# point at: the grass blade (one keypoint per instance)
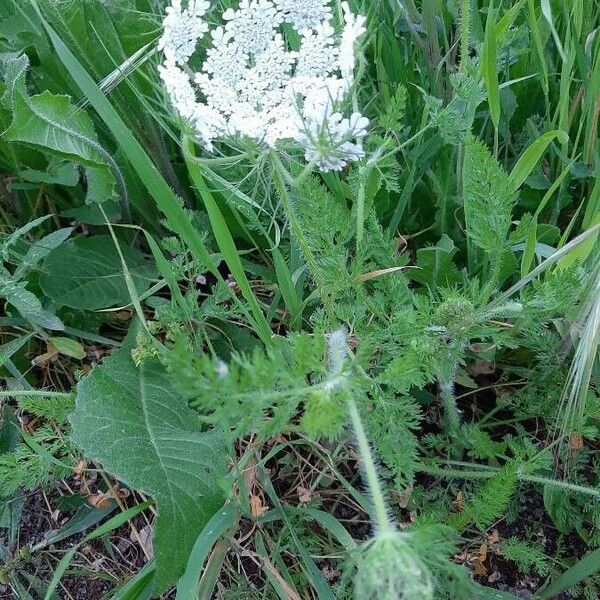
(225, 239)
(583, 568)
(107, 527)
(532, 155)
(224, 520)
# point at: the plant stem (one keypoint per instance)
(360, 207)
(488, 473)
(380, 513)
(283, 180)
(451, 411)
(33, 394)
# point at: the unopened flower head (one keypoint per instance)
(390, 570)
(253, 84)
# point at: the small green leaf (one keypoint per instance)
(68, 347)
(28, 304)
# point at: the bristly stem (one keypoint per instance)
(380, 512)
(451, 411)
(465, 32)
(446, 390)
(337, 358)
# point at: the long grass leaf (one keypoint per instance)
(532, 155)
(221, 522)
(583, 568)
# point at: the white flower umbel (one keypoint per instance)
(252, 84)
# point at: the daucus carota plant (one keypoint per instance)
(255, 83)
(457, 242)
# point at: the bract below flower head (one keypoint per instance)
(336, 142)
(252, 84)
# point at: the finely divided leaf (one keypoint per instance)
(488, 196)
(130, 420)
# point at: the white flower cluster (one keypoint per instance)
(252, 84)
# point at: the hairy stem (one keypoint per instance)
(380, 513)
(465, 31)
(446, 387)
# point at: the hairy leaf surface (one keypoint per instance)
(130, 420)
(489, 197)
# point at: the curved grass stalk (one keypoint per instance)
(573, 400)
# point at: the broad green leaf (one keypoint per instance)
(86, 273)
(53, 124)
(129, 419)
(68, 347)
(488, 197)
(435, 265)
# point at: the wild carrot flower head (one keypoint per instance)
(254, 82)
(390, 570)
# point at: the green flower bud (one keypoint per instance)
(391, 570)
